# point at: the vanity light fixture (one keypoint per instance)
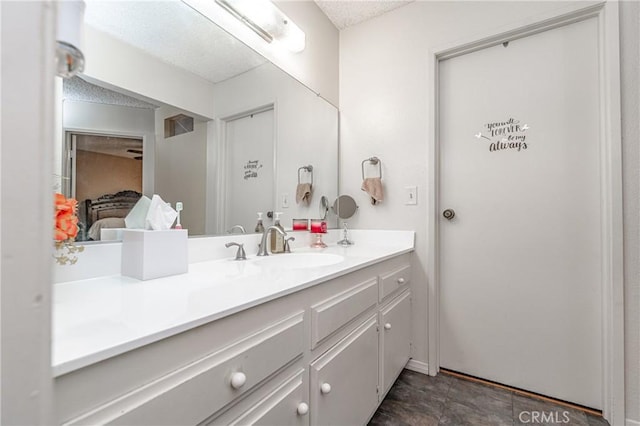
(266, 20)
(69, 27)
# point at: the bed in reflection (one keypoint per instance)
(106, 211)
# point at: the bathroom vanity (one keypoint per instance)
(312, 337)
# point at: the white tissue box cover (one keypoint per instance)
(154, 254)
(111, 234)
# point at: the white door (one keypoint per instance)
(520, 262)
(250, 169)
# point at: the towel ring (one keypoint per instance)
(375, 161)
(308, 169)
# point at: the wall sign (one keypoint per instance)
(505, 135)
(251, 169)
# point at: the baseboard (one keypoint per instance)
(632, 423)
(420, 367)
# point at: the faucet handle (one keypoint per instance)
(240, 227)
(240, 254)
(287, 248)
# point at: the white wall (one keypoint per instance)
(115, 120)
(26, 200)
(383, 104)
(306, 129)
(630, 82)
(181, 169)
(111, 61)
(316, 66)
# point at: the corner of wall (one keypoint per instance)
(629, 12)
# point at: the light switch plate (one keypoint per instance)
(411, 195)
(285, 200)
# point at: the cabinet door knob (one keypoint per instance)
(387, 326)
(325, 388)
(400, 280)
(303, 408)
(238, 379)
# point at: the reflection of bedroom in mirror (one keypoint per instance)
(105, 176)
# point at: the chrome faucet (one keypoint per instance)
(240, 227)
(262, 248)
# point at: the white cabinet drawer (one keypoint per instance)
(395, 280)
(283, 406)
(192, 393)
(344, 380)
(395, 338)
(330, 315)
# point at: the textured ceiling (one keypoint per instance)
(175, 33)
(76, 89)
(345, 13)
(111, 145)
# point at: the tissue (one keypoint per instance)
(136, 217)
(152, 214)
(160, 216)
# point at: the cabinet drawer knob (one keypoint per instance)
(387, 326)
(238, 379)
(303, 408)
(325, 388)
(401, 280)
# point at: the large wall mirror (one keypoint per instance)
(171, 104)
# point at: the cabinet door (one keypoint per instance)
(344, 380)
(395, 338)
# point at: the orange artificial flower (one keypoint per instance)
(66, 221)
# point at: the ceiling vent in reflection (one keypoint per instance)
(177, 125)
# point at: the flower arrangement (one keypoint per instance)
(65, 229)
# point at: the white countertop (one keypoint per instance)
(98, 318)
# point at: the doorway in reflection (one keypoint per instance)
(98, 168)
(249, 141)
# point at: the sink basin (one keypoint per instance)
(299, 260)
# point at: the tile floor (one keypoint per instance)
(416, 399)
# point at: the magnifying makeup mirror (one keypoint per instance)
(345, 207)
